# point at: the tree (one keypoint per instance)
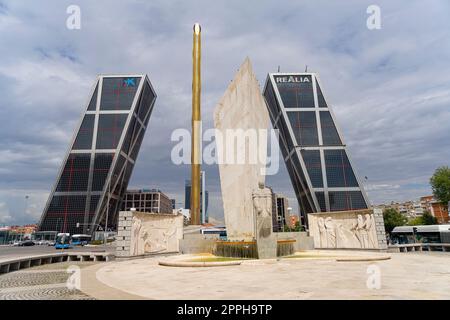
(440, 184)
(296, 228)
(417, 221)
(426, 219)
(393, 218)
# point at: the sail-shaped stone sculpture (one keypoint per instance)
(240, 116)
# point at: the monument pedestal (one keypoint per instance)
(266, 241)
(302, 240)
(267, 247)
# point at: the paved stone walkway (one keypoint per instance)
(404, 276)
(317, 275)
(40, 283)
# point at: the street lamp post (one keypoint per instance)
(107, 214)
(114, 176)
(289, 210)
(26, 203)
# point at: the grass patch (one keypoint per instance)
(214, 259)
(100, 242)
(309, 256)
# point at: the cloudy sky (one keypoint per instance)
(389, 88)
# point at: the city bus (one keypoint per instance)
(80, 239)
(438, 233)
(222, 232)
(62, 241)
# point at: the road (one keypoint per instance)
(12, 252)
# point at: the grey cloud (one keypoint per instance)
(388, 88)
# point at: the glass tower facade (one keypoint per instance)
(98, 165)
(187, 200)
(312, 145)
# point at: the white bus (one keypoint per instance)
(436, 233)
(222, 232)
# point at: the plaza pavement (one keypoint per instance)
(45, 282)
(316, 275)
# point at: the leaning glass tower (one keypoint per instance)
(101, 156)
(312, 145)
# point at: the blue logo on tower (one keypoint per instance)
(129, 82)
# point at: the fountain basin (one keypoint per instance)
(248, 249)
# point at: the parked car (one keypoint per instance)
(17, 243)
(27, 243)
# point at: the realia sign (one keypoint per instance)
(298, 79)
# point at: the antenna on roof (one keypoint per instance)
(278, 69)
(306, 68)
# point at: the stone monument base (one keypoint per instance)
(267, 247)
(302, 240)
(357, 229)
(141, 233)
(197, 243)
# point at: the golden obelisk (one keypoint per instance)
(196, 127)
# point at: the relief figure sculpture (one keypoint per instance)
(369, 227)
(262, 203)
(322, 232)
(330, 232)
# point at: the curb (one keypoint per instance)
(93, 287)
(198, 264)
(355, 259)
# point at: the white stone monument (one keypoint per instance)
(266, 241)
(241, 112)
(141, 233)
(358, 229)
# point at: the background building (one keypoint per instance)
(187, 194)
(5, 235)
(145, 200)
(186, 215)
(436, 208)
(101, 156)
(312, 145)
(205, 219)
(415, 208)
(187, 200)
(275, 225)
(410, 209)
(293, 219)
(25, 229)
(281, 211)
(10, 234)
